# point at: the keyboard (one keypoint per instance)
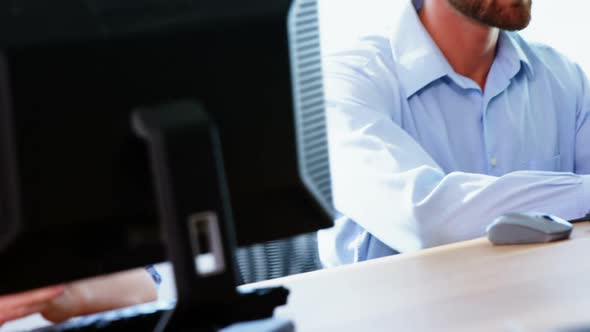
(142, 317)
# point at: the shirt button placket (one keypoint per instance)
(489, 138)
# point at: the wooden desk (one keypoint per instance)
(468, 286)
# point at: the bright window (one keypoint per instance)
(563, 25)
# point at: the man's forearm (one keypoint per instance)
(103, 293)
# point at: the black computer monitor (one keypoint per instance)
(234, 88)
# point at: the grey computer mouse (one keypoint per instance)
(515, 228)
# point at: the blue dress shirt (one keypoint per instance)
(421, 156)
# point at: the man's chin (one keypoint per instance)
(513, 15)
(514, 23)
(512, 18)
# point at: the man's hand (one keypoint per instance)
(100, 294)
(83, 297)
(15, 306)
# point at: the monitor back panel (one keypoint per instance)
(77, 193)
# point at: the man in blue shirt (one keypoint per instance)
(448, 122)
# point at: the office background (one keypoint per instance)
(561, 24)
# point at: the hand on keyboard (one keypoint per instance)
(101, 294)
(19, 305)
(60, 303)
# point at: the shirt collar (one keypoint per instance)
(420, 62)
(511, 53)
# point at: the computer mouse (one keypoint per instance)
(515, 228)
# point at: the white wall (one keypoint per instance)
(343, 21)
(564, 25)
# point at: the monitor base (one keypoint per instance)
(248, 312)
(195, 212)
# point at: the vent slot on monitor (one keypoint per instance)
(308, 92)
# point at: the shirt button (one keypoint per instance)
(493, 162)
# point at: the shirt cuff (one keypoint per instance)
(154, 273)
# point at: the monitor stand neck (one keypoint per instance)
(195, 214)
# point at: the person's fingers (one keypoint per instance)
(20, 312)
(25, 299)
(64, 307)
